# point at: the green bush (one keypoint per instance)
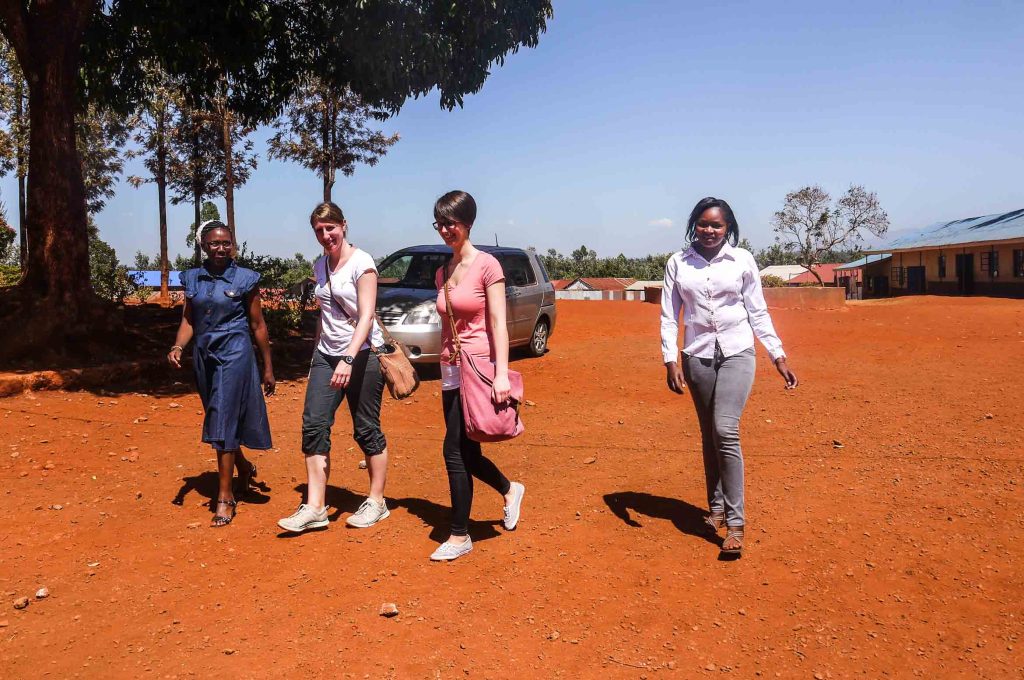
(9, 274)
(772, 281)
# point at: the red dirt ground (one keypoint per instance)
(895, 555)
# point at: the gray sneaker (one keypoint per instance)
(368, 514)
(446, 552)
(512, 510)
(306, 517)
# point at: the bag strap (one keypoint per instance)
(451, 316)
(388, 338)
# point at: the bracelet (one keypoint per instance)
(177, 347)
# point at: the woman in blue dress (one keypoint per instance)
(222, 306)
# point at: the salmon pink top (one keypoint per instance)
(469, 307)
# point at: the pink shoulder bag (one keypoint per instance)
(484, 420)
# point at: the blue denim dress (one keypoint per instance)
(225, 365)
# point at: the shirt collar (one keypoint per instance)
(727, 251)
(228, 275)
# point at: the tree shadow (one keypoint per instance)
(687, 518)
(206, 485)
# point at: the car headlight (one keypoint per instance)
(424, 314)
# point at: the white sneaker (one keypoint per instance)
(512, 510)
(306, 517)
(368, 514)
(446, 552)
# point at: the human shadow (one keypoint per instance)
(439, 518)
(206, 484)
(687, 518)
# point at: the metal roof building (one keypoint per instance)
(975, 255)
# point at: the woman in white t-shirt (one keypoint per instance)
(343, 366)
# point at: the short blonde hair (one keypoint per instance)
(327, 212)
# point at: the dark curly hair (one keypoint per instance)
(732, 232)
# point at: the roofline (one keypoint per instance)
(946, 246)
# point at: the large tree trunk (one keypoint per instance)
(161, 188)
(53, 312)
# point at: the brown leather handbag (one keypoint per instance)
(399, 375)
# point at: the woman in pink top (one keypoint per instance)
(476, 287)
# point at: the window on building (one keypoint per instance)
(1018, 263)
(990, 263)
(942, 266)
(899, 275)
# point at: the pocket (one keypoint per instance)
(233, 294)
(189, 294)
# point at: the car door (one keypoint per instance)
(524, 295)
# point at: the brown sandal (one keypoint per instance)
(715, 521)
(734, 534)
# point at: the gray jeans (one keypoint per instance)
(720, 388)
(322, 401)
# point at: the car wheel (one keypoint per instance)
(539, 340)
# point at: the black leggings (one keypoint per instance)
(464, 460)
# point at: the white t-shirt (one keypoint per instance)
(335, 326)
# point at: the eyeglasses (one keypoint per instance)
(444, 224)
(222, 245)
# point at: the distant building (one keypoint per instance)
(977, 255)
(825, 271)
(587, 288)
(851, 277)
(783, 271)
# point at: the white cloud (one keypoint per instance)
(661, 222)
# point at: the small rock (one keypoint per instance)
(389, 609)
(194, 525)
(836, 444)
(56, 506)
(229, 651)
(589, 461)
(554, 635)
(710, 667)
(175, 404)
(527, 402)
(4, 623)
(989, 416)
(21, 603)
(42, 593)
(138, 495)
(140, 419)
(362, 465)
(671, 665)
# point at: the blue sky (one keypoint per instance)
(628, 113)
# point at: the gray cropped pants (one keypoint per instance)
(720, 387)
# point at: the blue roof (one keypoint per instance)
(152, 278)
(865, 260)
(971, 230)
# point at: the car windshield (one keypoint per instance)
(411, 270)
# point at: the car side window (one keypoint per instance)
(518, 271)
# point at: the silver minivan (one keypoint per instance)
(407, 298)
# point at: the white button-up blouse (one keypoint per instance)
(722, 302)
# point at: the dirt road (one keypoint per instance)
(895, 555)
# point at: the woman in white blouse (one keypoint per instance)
(719, 289)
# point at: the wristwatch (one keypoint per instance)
(347, 359)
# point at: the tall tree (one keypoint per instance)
(325, 130)
(153, 132)
(811, 226)
(14, 109)
(86, 50)
(195, 171)
(100, 136)
(235, 152)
